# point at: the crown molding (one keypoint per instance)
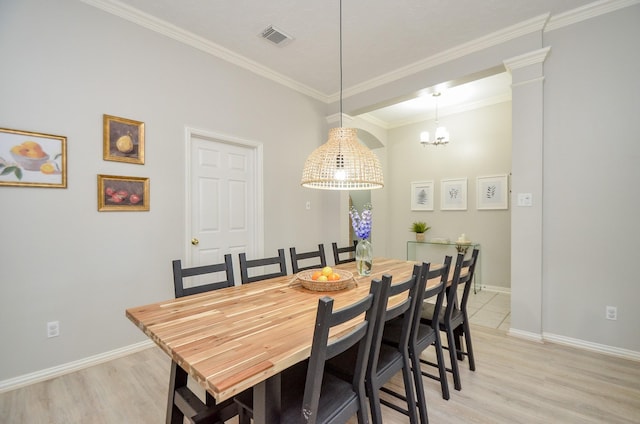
(543, 23)
(527, 27)
(588, 11)
(375, 121)
(165, 28)
(453, 110)
(527, 59)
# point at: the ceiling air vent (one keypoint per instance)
(276, 36)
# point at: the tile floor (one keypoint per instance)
(490, 309)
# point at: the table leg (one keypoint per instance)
(267, 401)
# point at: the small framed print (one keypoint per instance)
(453, 194)
(422, 196)
(116, 193)
(493, 192)
(30, 159)
(123, 139)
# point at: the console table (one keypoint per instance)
(431, 251)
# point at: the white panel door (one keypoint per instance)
(223, 207)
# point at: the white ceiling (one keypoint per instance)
(379, 36)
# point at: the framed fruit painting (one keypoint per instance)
(32, 159)
(123, 139)
(117, 193)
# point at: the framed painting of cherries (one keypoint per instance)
(116, 193)
(123, 139)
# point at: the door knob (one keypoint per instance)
(195, 241)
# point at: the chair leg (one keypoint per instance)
(363, 409)
(467, 339)
(442, 370)
(451, 340)
(408, 388)
(373, 392)
(243, 416)
(457, 332)
(420, 395)
(177, 378)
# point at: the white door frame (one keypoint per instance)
(259, 215)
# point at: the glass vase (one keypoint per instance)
(364, 257)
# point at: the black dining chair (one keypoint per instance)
(338, 251)
(183, 402)
(429, 334)
(207, 276)
(454, 319)
(387, 360)
(246, 265)
(310, 394)
(300, 261)
(423, 335)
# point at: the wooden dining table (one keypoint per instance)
(242, 337)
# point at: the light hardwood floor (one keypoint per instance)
(516, 381)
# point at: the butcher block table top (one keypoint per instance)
(232, 339)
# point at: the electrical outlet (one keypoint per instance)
(308, 205)
(53, 329)
(612, 313)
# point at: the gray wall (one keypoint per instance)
(480, 146)
(66, 64)
(591, 177)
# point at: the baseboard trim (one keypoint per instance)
(593, 347)
(534, 337)
(496, 289)
(576, 343)
(69, 367)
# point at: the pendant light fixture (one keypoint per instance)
(342, 163)
(442, 135)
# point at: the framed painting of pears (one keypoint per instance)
(123, 139)
(32, 159)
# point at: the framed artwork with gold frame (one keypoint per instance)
(123, 139)
(30, 159)
(117, 193)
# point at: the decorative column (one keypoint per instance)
(527, 74)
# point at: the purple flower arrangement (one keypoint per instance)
(361, 222)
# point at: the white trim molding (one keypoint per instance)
(593, 347)
(542, 23)
(576, 343)
(527, 59)
(169, 30)
(69, 367)
(496, 289)
(527, 335)
(587, 11)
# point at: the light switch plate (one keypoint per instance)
(525, 199)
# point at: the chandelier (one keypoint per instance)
(442, 135)
(342, 163)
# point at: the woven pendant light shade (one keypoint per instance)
(342, 163)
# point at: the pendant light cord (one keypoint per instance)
(340, 63)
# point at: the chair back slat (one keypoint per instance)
(296, 258)
(467, 280)
(206, 271)
(337, 251)
(246, 265)
(438, 290)
(452, 289)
